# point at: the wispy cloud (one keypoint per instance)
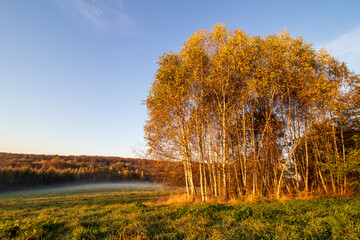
(108, 16)
(347, 48)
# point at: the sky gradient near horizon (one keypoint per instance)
(73, 73)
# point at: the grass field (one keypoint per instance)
(133, 212)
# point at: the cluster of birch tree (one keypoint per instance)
(257, 115)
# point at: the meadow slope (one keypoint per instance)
(135, 213)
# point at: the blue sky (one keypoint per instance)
(73, 73)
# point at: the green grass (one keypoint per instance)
(126, 213)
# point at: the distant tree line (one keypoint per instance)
(23, 171)
(256, 116)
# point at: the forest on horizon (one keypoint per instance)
(26, 171)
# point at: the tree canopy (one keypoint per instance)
(257, 115)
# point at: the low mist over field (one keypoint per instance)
(119, 185)
(87, 187)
